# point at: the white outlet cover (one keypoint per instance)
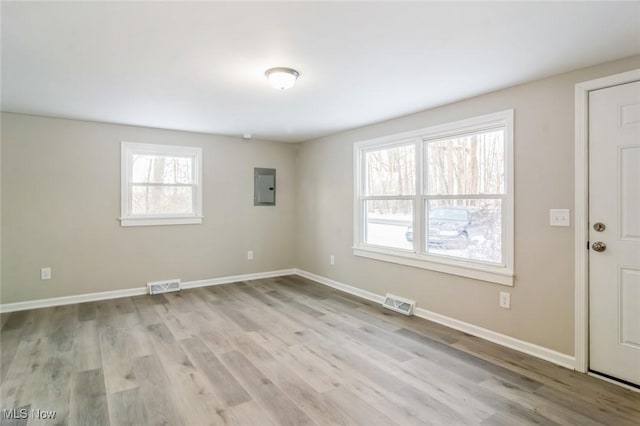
(505, 300)
(332, 260)
(559, 217)
(45, 273)
(250, 255)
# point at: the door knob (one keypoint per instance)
(599, 246)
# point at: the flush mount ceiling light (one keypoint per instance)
(282, 78)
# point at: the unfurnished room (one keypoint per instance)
(320, 213)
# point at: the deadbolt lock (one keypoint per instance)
(599, 226)
(599, 246)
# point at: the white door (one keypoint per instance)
(614, 231)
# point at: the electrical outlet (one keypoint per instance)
(250, 255)
(45, 273)
(332, 260)
(505, 300)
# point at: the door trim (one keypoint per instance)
(581, 208)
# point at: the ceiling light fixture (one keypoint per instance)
(282, 78)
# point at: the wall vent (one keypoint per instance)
(399, 304)
(166, 286)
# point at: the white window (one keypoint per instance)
(439, 198)
(161, 184)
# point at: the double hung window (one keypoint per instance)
(440, 198)
(161, 184)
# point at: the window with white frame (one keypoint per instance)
(440, 198)
(161, 184)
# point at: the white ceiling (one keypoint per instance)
(200, 66)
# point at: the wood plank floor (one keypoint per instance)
(281, 351)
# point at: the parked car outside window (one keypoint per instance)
(449, 227)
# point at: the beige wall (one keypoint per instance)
(0, 210)
(61, 201)
(542, 299)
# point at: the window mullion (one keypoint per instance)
(363, 221)
(387, 197)
(418, 224)
(163, 184)
(466, 197)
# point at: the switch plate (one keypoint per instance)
(505, 300)
(45, 273)
(250, 255)
(559, 217)
(332, 260)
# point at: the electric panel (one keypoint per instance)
(264, 192)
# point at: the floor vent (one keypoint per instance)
(399, 304)
(166, 286)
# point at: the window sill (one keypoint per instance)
(479, 272)
(146, 221)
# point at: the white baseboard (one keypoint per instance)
(70, 300)
(342, 287)
(541, 352)
(237, 278)
(137, 291)
(492, 336)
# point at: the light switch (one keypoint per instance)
(559, 217)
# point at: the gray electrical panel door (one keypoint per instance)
(264, 192)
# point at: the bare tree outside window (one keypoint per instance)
(390, 173)
(467, 164)
(162, 184)
(463, 192)
(465, 186)
(439, 198)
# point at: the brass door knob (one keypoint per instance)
(599, 226)
(599, 246)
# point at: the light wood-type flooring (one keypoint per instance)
(280, 351)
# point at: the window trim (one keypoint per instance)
(483, 271)
(127, 150)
